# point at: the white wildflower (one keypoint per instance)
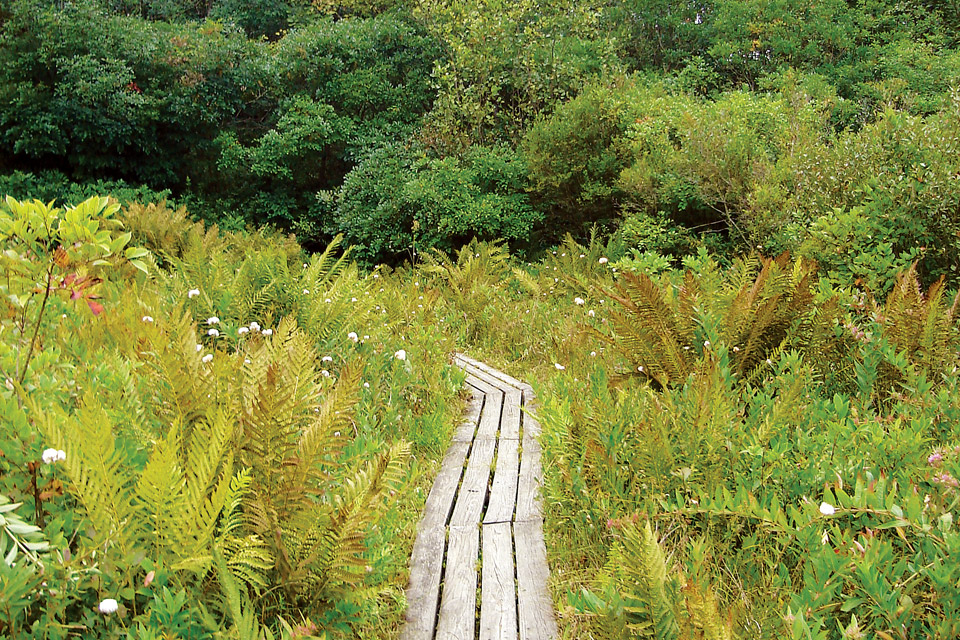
(107, 606)
(213, 320)
(267, 332)
(207, 358)
(306, 291)
(326, 359)
(193, 293)
(213, 332)
(706, 344)
(827, 509)
(579, 301)
(243, 330)
(591, 313)
(199, 348)
(559, 366)
(366, 385)
(400, 355)
(353, 336)
(254, 326)
(603, 261)
(593, 354)
(49, 456)
(325, 373)
(147, 319)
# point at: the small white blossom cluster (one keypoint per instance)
(193, 293)
(107, 606)
(50, 456)
(400, 355)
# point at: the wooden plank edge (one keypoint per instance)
(534, 605)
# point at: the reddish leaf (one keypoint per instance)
(95, 306)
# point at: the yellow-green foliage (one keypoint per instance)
(755, 311)
(472, 281)
(171, 507)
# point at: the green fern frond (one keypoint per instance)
(99, 473)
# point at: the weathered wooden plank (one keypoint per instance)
(528, 486)
(490, 416)
(426, 560)
(436, 510)
(503, 491)
(458, 607)
(531, 426)
(498, 591)
(473, 489)
(468, 426)
(423, 592)
(483, 385)
(483, 377)
(496, 373)
(510, 416)
(534, 607)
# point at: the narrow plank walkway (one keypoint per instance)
(483, 530)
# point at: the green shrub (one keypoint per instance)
(399, 202)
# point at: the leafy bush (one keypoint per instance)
(798, 489)
(401, 202)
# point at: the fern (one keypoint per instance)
(921, 325)
(648, 330)
(762, 307)
(169, 511)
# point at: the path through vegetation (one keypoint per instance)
(474, 529)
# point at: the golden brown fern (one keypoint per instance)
(648, 330)
(921, 324)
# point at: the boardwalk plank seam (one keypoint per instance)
(483, 526)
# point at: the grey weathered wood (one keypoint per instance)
(477, 376)
(531, 426)
(503, 491)
(436, 511)
(490, 416)
(510, 416)
(458, 607)
(473, 489)
(481, 383)
(426, 560)
(442, 597)
(496, 373)
(498, 591)
(471, 417)
(534, 607)
(528, 485)
(423, 592)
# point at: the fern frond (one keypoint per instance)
(99, 473)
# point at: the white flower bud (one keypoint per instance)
(107, 606)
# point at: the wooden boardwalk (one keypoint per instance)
(481, 531)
